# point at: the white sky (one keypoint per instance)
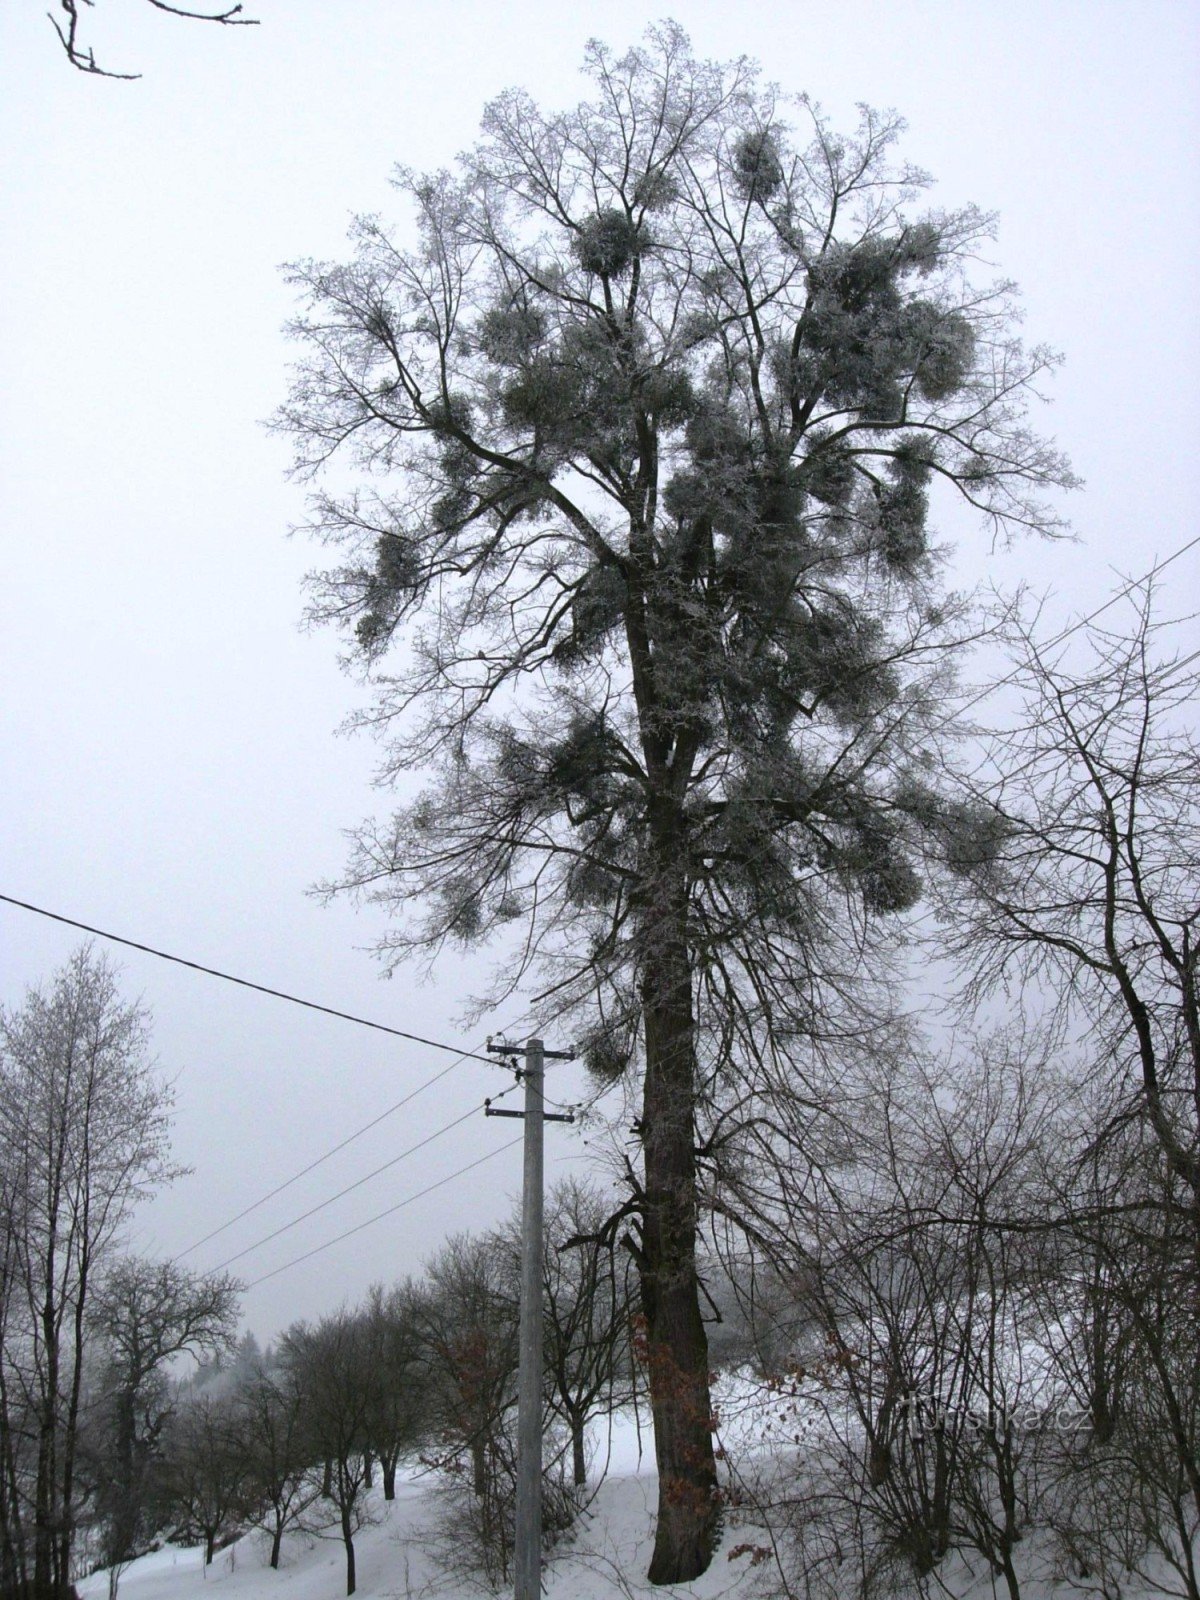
(170, 765)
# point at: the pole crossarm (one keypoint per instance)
(500, 1047)
(547, 1116)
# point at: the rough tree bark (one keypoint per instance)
(676, 1343)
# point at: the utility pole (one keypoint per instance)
(527, 1543)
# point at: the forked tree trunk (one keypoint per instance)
(677, 1345)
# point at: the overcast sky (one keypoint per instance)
(171, 769)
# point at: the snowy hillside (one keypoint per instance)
(402, 1555)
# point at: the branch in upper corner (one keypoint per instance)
(84, 58)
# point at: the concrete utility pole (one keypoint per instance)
(527, 1542)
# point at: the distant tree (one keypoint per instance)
(467, 1319)
(81, 55)
(83, 1137)
(400, 1410)
(281, 1485)
(652, 415)
(915, 1387)
(204, 1471)
(586, 1312)
(145, 1313)
(331, 1366)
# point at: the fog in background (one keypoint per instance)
(171, 766)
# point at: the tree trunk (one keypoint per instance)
(388, 1466)
(66, 1532)
(122, 1516)
(276, 1544)
(479, 1468)
(12, 1541)
(45, 1500)
(677, 1345)
(579, 1460)
(210, 1546)
(348, 1540)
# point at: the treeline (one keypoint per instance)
(85, 1335)
(104, 1451)
(424, 1372)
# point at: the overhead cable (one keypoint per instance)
(286, 1227)
(390, 1211)
(341, 1145)
(1074, 627)
(328, 1154)
(358, 1183)
(246, 983)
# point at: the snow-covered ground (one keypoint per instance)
(400, 1556)
(397, 1558)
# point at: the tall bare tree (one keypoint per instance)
(145, 1313)
(649, 420)
(83, 1137)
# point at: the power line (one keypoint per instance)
(348, 1140)
(1170, 673)
(322, 1159)
(286, 1227)
(310, 1005)
(1065, 633)
(1166, 676)
(1074, 627)
(1177, 667)
(312, 1167)
(1164, 679)
(358, 1183)
(390, 1211)
(246, 983)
